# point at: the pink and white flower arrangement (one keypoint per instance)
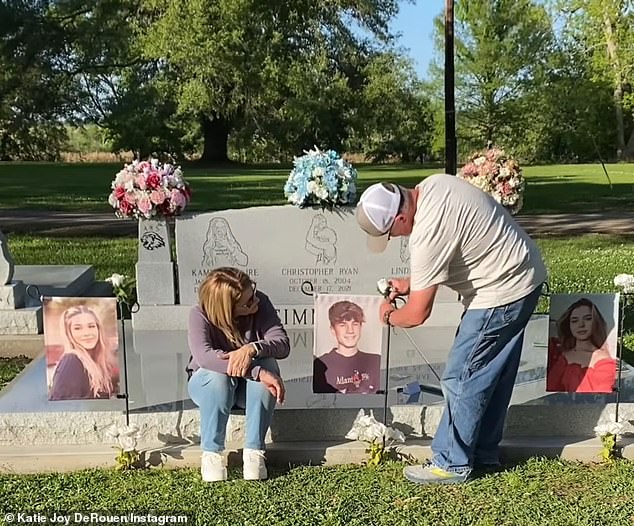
(146, 189)
(498, 175)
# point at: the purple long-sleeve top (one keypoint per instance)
(207, 343)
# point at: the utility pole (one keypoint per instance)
(451, 161)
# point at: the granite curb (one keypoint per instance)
(41, 459)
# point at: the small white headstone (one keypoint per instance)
(7, 264)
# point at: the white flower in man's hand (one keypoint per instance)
(384, 287)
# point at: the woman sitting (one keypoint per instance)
(235, 337)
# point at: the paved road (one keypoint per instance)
(74, 223)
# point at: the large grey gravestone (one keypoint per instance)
(282, 248)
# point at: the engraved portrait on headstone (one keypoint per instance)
(404, 249)
(221, 248)
(321, 240)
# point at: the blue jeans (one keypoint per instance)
(477, 384)
(215, 394)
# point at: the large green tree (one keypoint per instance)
(130, 96)
(501, 47)
(36, 91)
(394, 116)
(244, 62)
(604, 31)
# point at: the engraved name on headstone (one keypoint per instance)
(281, 248)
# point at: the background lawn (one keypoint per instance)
(85, 187)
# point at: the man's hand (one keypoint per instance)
(273, 383)
(399, 286)
(239, 360)
(386, 307)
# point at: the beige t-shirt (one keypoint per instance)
(464, 239)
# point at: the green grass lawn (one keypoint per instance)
(536, 492)
(85, 187)
(10, 367)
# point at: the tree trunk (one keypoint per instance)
(615, 62)
(628, 154)
(216, 136)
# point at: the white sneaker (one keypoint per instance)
(254, 466)
(213, 466)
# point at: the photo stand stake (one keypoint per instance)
(386, 391)
(625, 300)
(126, 394)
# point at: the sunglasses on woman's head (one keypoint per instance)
(252, 299)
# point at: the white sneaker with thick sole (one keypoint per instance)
(213, 467)
(254, 464)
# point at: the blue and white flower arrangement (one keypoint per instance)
(321, 179)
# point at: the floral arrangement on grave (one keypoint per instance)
(380, 438)
(124, 288)
(609, 432)
(125, 437)
(148, 189)
(321, 178)
(497, 174)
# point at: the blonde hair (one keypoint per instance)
(218, 295)
(97, 361)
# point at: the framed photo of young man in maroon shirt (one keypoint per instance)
(348, 344)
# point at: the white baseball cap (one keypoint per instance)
(378, 207)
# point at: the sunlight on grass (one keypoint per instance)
(85, 187)
(535, 492)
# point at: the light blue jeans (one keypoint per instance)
(477, 384)
(216, 394)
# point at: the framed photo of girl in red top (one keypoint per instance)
(582, 343)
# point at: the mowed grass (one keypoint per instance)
(536, 492)
(85, 187)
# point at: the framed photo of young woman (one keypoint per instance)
(81, 342)
(582, 343)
